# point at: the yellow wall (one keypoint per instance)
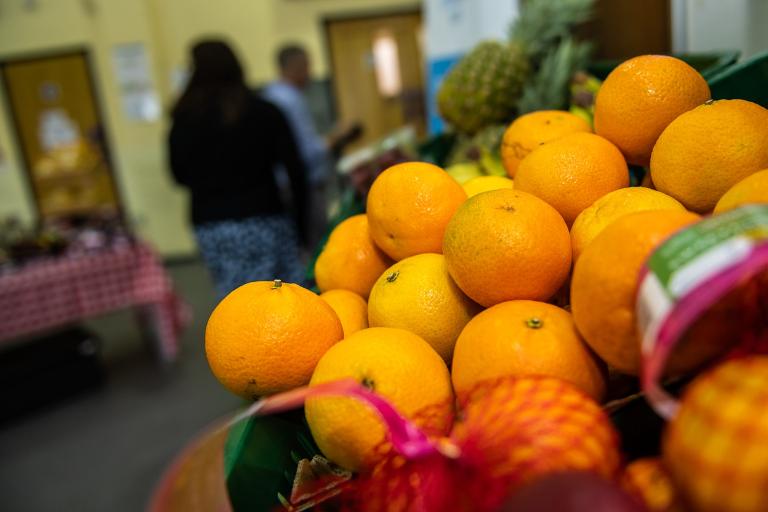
(257, 27)
(166, 27)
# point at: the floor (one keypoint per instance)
(106, 449)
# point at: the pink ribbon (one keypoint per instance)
(406, 438)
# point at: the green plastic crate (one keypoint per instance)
(747, 80)
(260, 459)
(708, 64)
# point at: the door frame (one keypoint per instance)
(75, 51)
(369, 14)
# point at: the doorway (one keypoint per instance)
(626, 28)
(61, 135)
(378, 72)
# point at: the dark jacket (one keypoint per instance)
(229, 168)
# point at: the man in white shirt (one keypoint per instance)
(317, 151)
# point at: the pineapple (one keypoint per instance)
(483, 87)
(486, 85)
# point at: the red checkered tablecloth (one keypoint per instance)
(59, 291)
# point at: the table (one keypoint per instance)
(57, 291)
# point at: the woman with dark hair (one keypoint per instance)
(225, 144)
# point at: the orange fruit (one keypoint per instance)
(752, 189)
(350, 260)
(528, 427)
(706, 151)
(716, 447)
(641, 97)
(418, 295)
(505, 245)
(266, 337)
(351, 309)
(482, 184)
(573, 172)
(649, 482)
(514, 431)
(612, 206)
(605, 279)
(398, 365)
(409, 206)
(532, 130)
(524, 337)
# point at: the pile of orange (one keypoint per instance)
(409, 206)
(641, 97)
(252, 330)
(706, 151)
(488, 244)
(605, 280)
(438, 290)
(530, 131)
(350, 260)
(418, 294)
(573, 172)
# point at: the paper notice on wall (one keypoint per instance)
(134, 79)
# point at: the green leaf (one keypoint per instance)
(543, 23)
(549, 87)
(260, 459)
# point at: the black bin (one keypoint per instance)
(48, 369)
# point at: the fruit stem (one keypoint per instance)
(277, 284)
(534, 323)
(391, 278)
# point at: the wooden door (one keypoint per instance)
(627, 28)
(378, 72)
(60, 134)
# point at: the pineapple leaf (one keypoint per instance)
(549, 87)
(543, 23)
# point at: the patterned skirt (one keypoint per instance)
(259, 248)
